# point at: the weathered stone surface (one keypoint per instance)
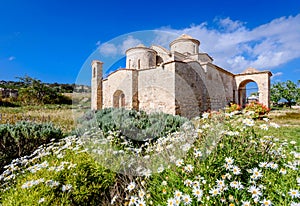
(180, 81)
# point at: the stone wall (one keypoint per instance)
(156, 90)
(118, 81)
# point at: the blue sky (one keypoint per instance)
(52, 40)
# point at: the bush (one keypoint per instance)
(24, 137)
(56, 174)
(233, 108)
(256, 110)
(137, 126)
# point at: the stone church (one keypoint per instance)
(180, 80)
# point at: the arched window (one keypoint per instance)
(118, 99)
(94, 72)
(139, 64)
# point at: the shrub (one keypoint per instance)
(137, 126)
(256, 110)
(233, 108)
(56, 174)
(24, 137)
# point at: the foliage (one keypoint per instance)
(233, 108)
(256, 110)
(287, 90)
(135, 125)
(234, 160)
(36, 92)
(23, 138)
(57, 174)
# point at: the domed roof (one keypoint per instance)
(141, 45)
(185, 37)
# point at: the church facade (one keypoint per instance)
(179, 81)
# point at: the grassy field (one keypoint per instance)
(289, 120)
(60, 116)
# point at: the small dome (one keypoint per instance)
(141, 45)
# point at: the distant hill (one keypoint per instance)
(61, 88)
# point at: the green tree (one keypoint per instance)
(287, 90)
(36, 92)
(276, 92)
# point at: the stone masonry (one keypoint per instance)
(179, 81)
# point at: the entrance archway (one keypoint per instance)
(261, 78)
(119, 99)
(248, 92)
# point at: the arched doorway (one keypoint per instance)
(261, 78)
(248, 92)
(119, 99)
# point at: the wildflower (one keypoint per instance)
(295, 204)
(298, 181)
(266, 202)
(272, 165)
(197, 192)
(266, 119)
(248, 122)
(236, 170)
(141, 193)
(189, 168)
(179, 162)
(272, 124)
(131, 186)
(254, 191)
(227, 166)
(205, 115)
(256, 174)
(246, 203)
(42, 200)
(234, 184)
(141, 202)
(229, 160)
(66, 188)
(52, 183)
(178, 194)
(196, 184)
(186, 147)
(294, 193)
(263, 164)
(164, 183)
(220, 183)
(214, 191)
(263, 127)
(231, 198)
(186, 199)
(197, 153)
(160, 169)
(188, 182)
(282, 171)
(171, 202)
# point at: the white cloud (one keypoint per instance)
(11, 58)
(113, 49)
(129, 42)
(236, 47)
(277, 74)
(108, 49)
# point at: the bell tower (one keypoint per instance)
(96, 84)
